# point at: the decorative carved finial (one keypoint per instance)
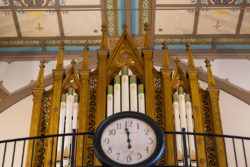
(207, 61)
(165, 63)
(190, 57)
(177, 61)
(124, 26)
(40, 78)
(147, 41)
(85, 61)
(104, 37)
(42, 63)
(210, 77)
(59, 64)
(146, 27)
(73, 62)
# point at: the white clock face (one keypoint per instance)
(128, 141)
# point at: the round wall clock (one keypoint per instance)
(129, 139)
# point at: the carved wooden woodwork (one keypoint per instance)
(159, 89)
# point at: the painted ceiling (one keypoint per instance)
(45, 23)
(33, 29)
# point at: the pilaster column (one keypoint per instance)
(149, 82)
(38, 92)
(213, 92)
(83, 115)
(197, 113)
(101, 91)
(169, 121)
(35, 124)
(58, 75)
(215, 110)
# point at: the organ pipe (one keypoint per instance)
(141, 98)
(75, 112)
(133, 93)
(125, 89)
(117, 94)
(182, 109)
(61, 125)
(177, 127)
(68, 127)
(110, 101)
(190, 126)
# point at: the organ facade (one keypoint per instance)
(125, 79)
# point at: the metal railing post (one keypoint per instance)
(185, 147)
(73, 148)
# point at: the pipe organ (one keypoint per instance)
(123, 96)
(183, 117)
(125, 80)
(68, 118)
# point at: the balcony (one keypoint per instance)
(14, 152)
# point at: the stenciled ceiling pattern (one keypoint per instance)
(33, 29)
(44, 23)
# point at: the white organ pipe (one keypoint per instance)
(182, 109)
(117, 94)
(177, 128)
(75, 112)
(110, 101)
(61, 126)
(141, 99)
(133, 93)
(125, 89)
(68, 127)
(190, 127)
(181, 99)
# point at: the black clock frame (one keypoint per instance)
(151, 161)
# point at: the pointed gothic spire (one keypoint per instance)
(177, 62)
(85, 61)
(73, 62)
(190, 57)
(165, 56)
(40, 78)
(59, 65)
(104, 37)
(124, 27)
(211, 81)
(147, 42)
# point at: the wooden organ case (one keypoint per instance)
(172, 97)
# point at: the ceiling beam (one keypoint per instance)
(14, 14)
(59, 18)
(196, 17)
(242, 10)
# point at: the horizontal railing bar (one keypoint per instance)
(92, 133)
(45, 136)
(210, 134)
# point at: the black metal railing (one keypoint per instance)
(14, 152)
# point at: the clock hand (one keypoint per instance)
(128, 140)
